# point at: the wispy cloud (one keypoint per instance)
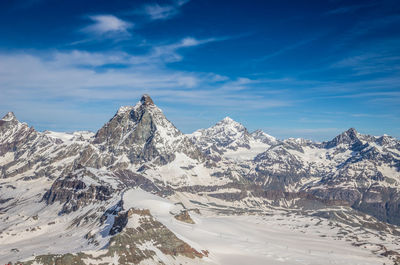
(350, 8)
(160, 12)
(371, 115)
(169, 52)
(285, 49)
(157, 54)
(81, 76)
(163, 12)
(108, 26)
(390, 94)
(366, 27)
(373, 61)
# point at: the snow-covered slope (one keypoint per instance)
(230, 139)
(264, 137)
(83, 136)
(141, 192)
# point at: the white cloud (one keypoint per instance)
(162, 12)
(75, 76)
(108, 25)
(169, 52)
(65, 80)
(158, 54)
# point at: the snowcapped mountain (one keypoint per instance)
(359, 170)
(139, 191)
(144, 134)
(230, 139)
(227, 134)
(83, 136)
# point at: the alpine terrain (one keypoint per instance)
(139, 191)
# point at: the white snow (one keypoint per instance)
(69, 138)
(243, 154)
(6, 158)
(184, 171)
(255, 239)
(124, 109)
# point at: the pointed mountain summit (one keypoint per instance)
(228, 120)
(143, 134)
(225, 134)
(229, 124)
(9, 124)
(9, 117)
(146, 100)
(349, 137)
(21, 142)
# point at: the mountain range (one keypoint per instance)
(139, 191)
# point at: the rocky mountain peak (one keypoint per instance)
(8, 123)
(229, 126)
(352, 133)
(146, 100)
(227, 120)
(143, 133)
(386, 140)
(133, 124)
(226, 134)
(9, 117)
(349, 137)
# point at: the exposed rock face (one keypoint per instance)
(349, 137)
(131, 179)
(184, 216)
(78, 190)
(14, 136)
(143, 134)
(226, 134)
(381, 202)
(278, 168)
(146, 100)
(147, 229)
(26, 152)
(135, 234)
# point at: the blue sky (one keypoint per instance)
(292, 68)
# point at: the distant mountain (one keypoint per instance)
(231, 139)
(359, 170)
(225, 135)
